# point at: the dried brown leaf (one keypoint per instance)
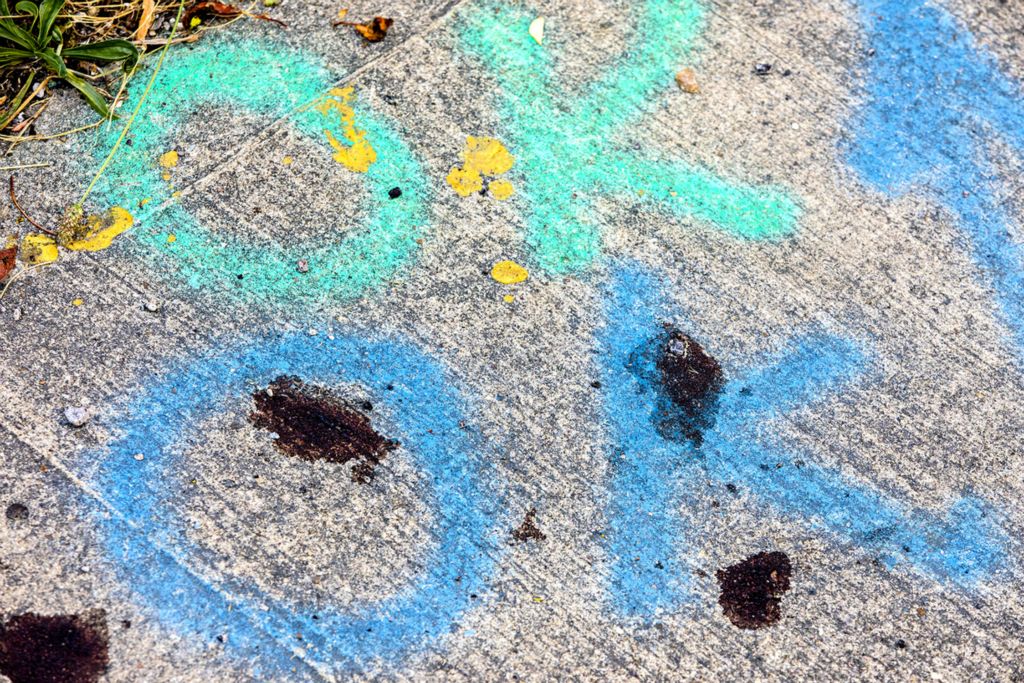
(8, 260)
(146, 20)
(223, 11)
(374, 31)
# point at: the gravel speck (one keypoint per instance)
(76, 416)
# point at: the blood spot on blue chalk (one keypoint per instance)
(313, 424)
(751, 589)
(692, 379)
(688, 381)
(63, 648)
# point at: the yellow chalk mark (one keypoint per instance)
(172, 238)
(508, 272)
(101, 230)
(38, 248)
(488, 156)
(501, 189)
(359, 155)
(288, 160)
(77, 302)
(509, 298)
(482, 157)
(169, 159)
(145, 201)
(465, 182)
(166, 175)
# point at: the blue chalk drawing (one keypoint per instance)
(572, 146)
(935, 101)
(651, 474)
(153, 553)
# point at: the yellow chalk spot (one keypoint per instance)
(195, 22)
(508, 272)
(465, 182)
(38, 248)
(172, 238)
(537, 30)
(166, 175)
(169, 159)
(359, 155)
(175, 195)
(488, 156)
(77, 302)
(501, 189)
(287, 161)
(101, 230)
(145, 201)
(641, 193)
(509, 298)
(537, 598)
(482, 157)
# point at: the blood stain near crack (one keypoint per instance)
(751, 589)
(64, 648)
(313, 424)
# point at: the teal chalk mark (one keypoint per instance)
(273, 81)
(569, 146)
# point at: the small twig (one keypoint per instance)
(14, 200)
(190, 38)
(265, 17)
(24, 126)
(21, 166)
(52, 136)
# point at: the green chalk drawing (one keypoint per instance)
(273, 81)
(570, 146)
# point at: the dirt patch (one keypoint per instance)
(528, 530)
(16, 512)
(66, 648)
(313, 424)
(751, 589)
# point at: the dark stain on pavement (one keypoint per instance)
(65, 648)
(528, 530)
(313, 424)
(751, 589)
(16, 512)
(688, 382)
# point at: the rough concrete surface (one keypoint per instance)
(755, 412)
